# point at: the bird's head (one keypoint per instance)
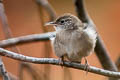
(66, 22)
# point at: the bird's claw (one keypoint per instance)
(61, 61)
(86, 66)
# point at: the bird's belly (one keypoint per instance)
(76, 51)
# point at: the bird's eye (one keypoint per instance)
(62, 21)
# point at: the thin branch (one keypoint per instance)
(48, 8)
(3, 71)
(4, 20)
(81, 10)
(26, 39)
(53, 61)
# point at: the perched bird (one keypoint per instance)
(73, 39)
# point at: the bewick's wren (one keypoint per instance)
(73, 39)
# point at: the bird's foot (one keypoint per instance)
(61, 61)
(87, 67)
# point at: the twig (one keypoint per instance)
(26, 39)
(48, 8)
(3, 71)
(4, 20)
(100, 49)
(53, 61)
(81, 10)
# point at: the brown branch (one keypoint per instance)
(100, 49)
(53, 61)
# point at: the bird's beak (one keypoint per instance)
(50, 24)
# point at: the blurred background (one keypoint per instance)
(24, 17)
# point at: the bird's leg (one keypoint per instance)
(61, 61)
(86, 65)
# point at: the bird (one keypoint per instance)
(73, 39)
